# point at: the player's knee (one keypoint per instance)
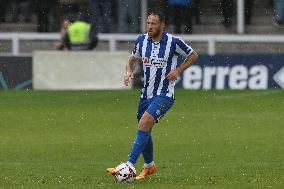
(143, 126)
(146, 122)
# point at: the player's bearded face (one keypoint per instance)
(154, 26)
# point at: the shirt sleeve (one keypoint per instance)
(136, 50)
(183, 49)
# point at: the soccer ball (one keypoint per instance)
(125, 173)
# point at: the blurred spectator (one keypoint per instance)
(157, 5)
(19, 10)
(42, 9)
(177, 10)
(279, 13)
(128, 9)
(80, 35)
(227, 7)
(3, 8)
(101, 9)
(195, 10)
(228, 10)
(63, 30)
(248, 11)
(69, 8)
(192, 11)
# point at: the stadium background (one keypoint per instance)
(20, 37)
(61, 129)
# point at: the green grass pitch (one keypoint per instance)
(209, 139)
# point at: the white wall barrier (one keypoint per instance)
(78, 70)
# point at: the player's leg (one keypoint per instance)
(148, 153)
(145, 125)
(148, 150)
(157, 109)
(149, 166)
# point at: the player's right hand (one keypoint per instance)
(127, 77)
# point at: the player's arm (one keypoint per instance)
(191, 59)
(129, 69)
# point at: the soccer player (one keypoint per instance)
(158, 52)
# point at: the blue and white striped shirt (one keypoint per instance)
(158, 59)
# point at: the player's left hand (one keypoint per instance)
(173, 75)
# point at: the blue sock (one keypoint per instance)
(138, 146)
(148, 151)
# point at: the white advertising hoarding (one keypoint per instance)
(54, 70)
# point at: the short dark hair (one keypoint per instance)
(160, 14)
